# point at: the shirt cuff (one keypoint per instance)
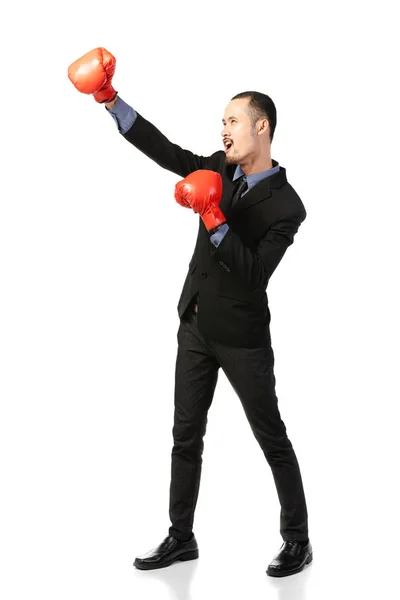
(123, 115)
(219, 235)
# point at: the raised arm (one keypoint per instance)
(92, 74)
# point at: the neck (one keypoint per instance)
(257, 164)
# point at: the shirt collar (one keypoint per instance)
(256, 177)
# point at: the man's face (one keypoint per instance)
(238, 129)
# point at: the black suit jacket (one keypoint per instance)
(231, 280)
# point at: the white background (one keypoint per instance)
(93, 254)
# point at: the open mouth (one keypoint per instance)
(228, 145)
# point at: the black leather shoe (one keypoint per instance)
(169, 551)
(291, 558)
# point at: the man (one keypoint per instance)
(249, 215)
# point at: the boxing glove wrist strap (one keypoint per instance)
(213, 217)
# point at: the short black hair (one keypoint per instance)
(261, 107)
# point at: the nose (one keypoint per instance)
(224, 132)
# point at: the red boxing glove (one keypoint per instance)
(202, 191)
(93, 73)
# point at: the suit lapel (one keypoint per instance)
(261, 191)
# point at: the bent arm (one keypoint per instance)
(255, 268)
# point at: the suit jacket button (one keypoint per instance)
(204, 274)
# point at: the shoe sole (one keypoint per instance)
(285, 573)
(192, 555)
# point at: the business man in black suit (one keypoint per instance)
(249, 214)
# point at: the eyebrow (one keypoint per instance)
(229, 118)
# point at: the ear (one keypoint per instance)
(263, 127)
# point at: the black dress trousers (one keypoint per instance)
(251, 374)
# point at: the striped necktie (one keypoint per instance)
(241, 187)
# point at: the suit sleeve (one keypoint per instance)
(149, 140)
(255, 268)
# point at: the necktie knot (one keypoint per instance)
(240, 189)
